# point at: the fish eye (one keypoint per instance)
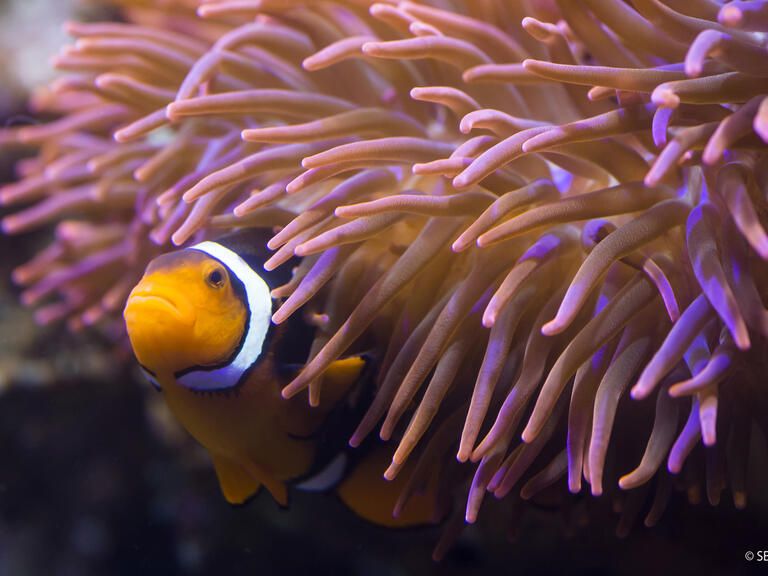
(216, 278)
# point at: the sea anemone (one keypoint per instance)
(548, 213)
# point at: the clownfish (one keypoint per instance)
(199, 323)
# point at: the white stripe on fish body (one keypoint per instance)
(328, 477)
(259, 302)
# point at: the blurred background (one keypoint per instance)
(95, 479)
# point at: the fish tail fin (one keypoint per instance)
(368, 494)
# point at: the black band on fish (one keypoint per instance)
(259, 304)
(151, 378)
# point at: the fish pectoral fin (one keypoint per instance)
(275, 487)
(235, 482)
(341, 375)
(337, 379)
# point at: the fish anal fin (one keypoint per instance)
(274, 486)
(235, 482)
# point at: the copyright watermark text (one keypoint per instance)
(756, 556)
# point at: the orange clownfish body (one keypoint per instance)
(199, 322)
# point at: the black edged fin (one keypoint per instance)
(236, 484)
(275, 487)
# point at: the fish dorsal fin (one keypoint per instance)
(235, 483)
(251, 245)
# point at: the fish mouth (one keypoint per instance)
(152, 303)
